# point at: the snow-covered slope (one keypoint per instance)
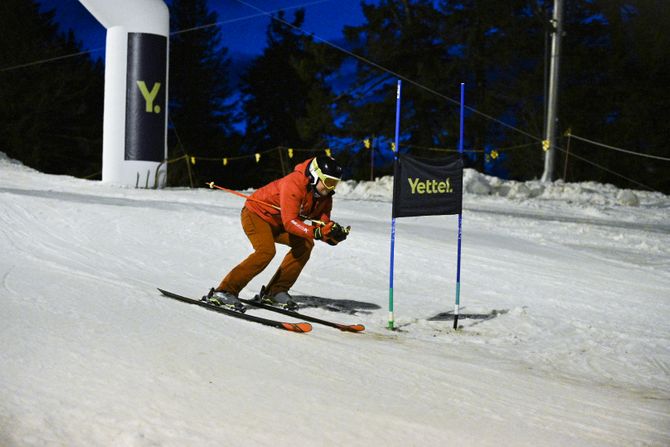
(91, 354)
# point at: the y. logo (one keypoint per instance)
(150, 96)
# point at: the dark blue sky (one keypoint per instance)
(243, 33)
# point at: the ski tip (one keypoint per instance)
(351, 327)
(297, 327)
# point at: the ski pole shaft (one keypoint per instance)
(213, 185)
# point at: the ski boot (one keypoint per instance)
(280, 299)
(224, 299)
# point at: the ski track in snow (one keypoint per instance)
(90, 354)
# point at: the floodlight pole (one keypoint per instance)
(550, 130)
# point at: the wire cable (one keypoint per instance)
(572, 154)
(196, 28)
(388, 70)
(253, 16)
(44, 61)
(640, 154)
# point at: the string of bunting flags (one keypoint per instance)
(193, 159)
(367, 144)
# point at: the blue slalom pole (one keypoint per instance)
(460, 222)
(395, 160)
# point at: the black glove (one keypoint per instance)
(332, 233)
(339, 233)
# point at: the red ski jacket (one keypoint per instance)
(296, 199)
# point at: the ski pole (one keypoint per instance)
(213, 185)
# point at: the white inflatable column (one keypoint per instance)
(134, 140)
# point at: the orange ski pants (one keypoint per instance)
(263, 237)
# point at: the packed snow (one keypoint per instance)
(567, 289)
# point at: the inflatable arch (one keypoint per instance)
(134, 145)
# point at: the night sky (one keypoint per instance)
(325, 19)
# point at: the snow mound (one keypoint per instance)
(380, 189)
(12, 164)
(478, 184)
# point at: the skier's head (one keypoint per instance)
(327, 170)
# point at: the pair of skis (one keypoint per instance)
(292, 327)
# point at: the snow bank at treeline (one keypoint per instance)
(478, 184)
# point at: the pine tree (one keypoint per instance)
(402, 37)
(487, 44)
(201, 121)
(287, 101)
(616, 65)
(51, 114)
(500, 58)
(612, 82)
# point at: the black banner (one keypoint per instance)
(427, 187)
(146, 97)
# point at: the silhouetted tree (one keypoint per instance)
(51, 114)
(287, 100)
(201, 117)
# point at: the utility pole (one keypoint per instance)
(550, 130)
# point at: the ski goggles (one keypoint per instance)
(328, 181)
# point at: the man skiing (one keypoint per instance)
(276, 213)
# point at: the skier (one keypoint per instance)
(275, 213)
